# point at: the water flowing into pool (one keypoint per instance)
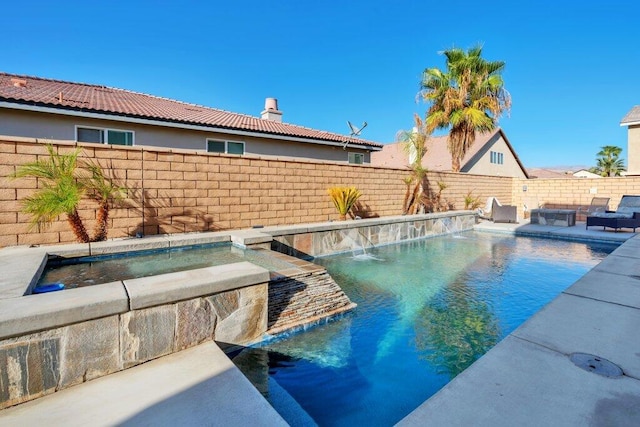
(426, 311)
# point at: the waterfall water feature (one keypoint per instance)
(449, 229)
(361, 247)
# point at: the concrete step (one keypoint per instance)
(199, 386)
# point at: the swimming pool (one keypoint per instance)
(426, 311)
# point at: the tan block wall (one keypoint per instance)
(572, 193)
(177, 191)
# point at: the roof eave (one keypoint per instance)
(44, 108)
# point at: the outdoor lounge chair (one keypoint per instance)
(503, 213)
(626, 216)
(497, 212)
(598, 204)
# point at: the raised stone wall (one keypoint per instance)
(338, 237)
(178, 191)
(305, 298)
(44, 359)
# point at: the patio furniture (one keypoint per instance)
(626, 216)
(556, 217)
(598, 204)
(503, 213)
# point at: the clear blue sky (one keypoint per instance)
(572, 67)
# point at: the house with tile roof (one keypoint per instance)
(491, 154)
(543, 173)
(632, 121)
(60, 110)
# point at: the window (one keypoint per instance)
(104, 136)
(356, 158)
(229, 147)
(496, 157)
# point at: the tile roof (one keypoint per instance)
(547, 173)
(438, 157)
(632, 116)
(106, 100)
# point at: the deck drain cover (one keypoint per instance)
(596, 364)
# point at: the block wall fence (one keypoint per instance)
(178, 191)
(571, 193)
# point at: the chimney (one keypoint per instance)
(271, 111)
(17, 82)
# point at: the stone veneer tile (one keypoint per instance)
(30, 369)
(304, 243)
(225, 303)
(147, 334)
(249, 321)
(90, 350)
(196, 323)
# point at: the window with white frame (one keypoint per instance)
(104, 135)
(497, 157)
(356, 158)
(222, 146)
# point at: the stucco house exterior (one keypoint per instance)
(632, 121)
(491, 154)
(59, 110)
(583, 173)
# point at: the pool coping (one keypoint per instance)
(528, 378)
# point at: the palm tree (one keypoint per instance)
(414, 144)
(60, 191)
(63, 185)
(103, 190)
(608, 162)
(468, 97)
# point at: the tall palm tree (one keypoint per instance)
(60, 191)
(608, 162)
(468, 97)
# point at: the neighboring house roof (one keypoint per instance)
(584, 173)
(547, 173)
(17, 91)
(632, 117)
(438, 157)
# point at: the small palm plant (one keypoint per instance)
(471, 202)
(343, 199)
(103, 190)
(63, 185)
(60, 194)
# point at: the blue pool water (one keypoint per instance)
(426, 311)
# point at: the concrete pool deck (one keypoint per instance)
(527, 379)
(195, 387)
